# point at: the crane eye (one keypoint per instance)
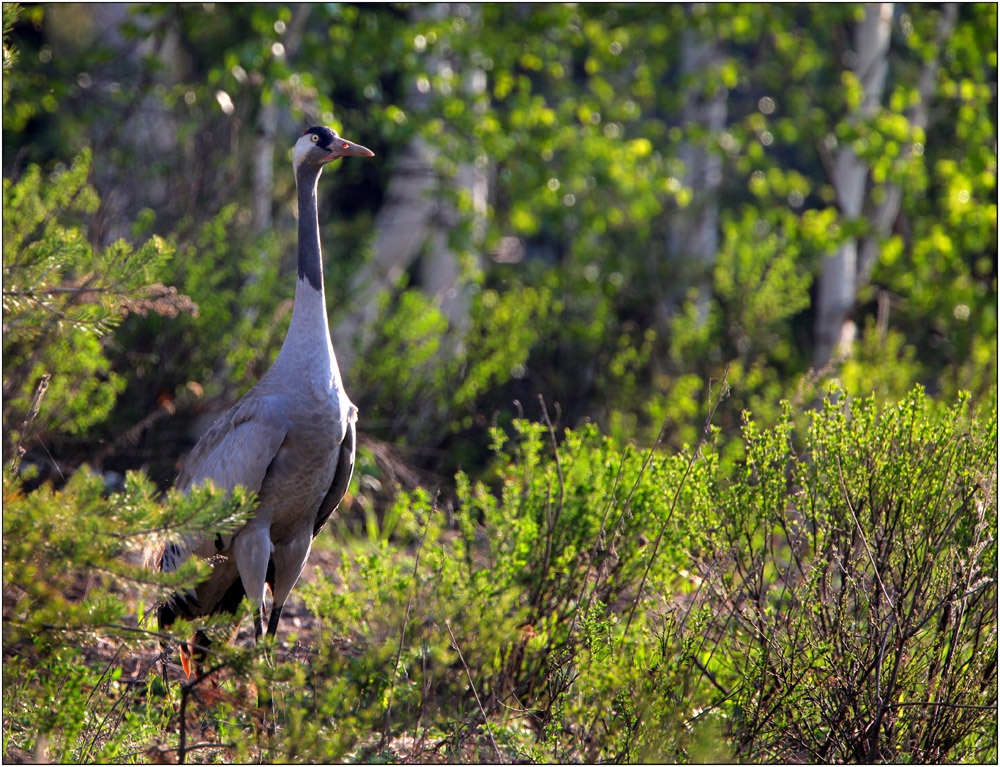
(314, 138)
(345, 146)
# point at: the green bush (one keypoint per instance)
(583, 602)
(518, 599)
(60, 299)
(75, 589)
(860, 605)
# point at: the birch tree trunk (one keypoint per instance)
(694, 233)
(886, 213)
(838, 282)
(267, 128)
(414, 221)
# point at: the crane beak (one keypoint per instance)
(344, 148)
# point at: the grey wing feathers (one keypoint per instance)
(341, 478)
(237, 450)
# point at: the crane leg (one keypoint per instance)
(272, 620)
(252, 551)
(289, 559)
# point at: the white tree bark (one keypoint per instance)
(886, 213)
(838, 282)
(414, 220)
(267, 128)
(694, 233)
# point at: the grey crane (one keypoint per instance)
(290, 439)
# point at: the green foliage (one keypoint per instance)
(414, 369)
(52, 538)
(510, 589)
(595, 602)
(600, 604)
(585, 132)
(10, 13)
(587, 90)
(235, 281)
(861, 600)
(867, 372)
(61, 297)
(797, 585)
(74, 583)
(73, 577)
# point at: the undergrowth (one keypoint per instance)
(584, 601)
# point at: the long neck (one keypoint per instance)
(310, 256)
(308, 340)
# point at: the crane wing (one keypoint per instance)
(237, 450)
(341, 478)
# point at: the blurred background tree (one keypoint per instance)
(607, 212)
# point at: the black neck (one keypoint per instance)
(310, 256)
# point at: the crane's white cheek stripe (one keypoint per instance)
(301, 148)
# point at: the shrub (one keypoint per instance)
(859, 615)
(72, 581)
(60, 299)
(582, 602)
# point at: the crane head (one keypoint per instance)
(319, 145)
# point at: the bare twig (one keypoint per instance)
(125, 698)
(735, 600)
(40, 388)
(625, 510)
(723, 391)
(31, 292)
(864, 539)
(402, 629)
(551, 522)
(873, 753)
(133, 629)
(472, 684)
(942, 704)
(711, 677)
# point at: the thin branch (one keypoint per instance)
(402, 629)
(132, 629)
(126, 694)
(31, 293)
(942, 704)
(473, 686)
(625, 510)
(723, 389)
(552, 523)
(40, 388)
(864, 539)
(711, 677)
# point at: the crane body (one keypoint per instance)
(291, 439)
